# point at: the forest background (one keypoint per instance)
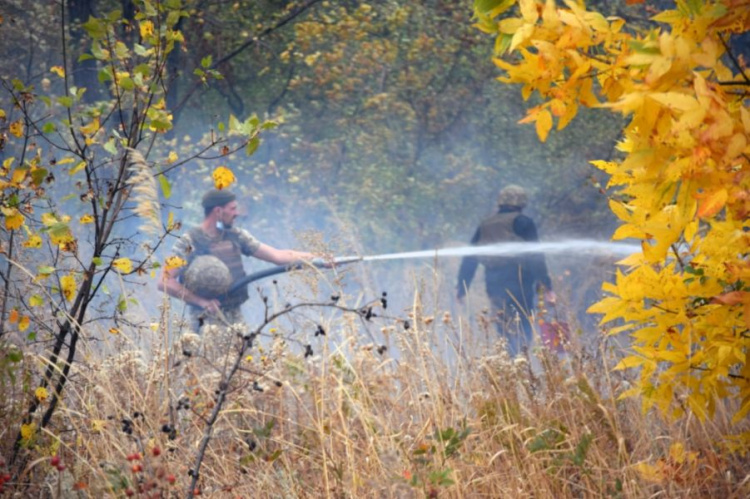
(381, 128)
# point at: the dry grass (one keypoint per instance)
(439, 413)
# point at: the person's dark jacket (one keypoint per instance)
(508, 280)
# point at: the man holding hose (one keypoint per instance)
(217, 237)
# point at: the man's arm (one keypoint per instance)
(280, 256)
(170, 285)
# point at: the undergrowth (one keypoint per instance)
(343, 398)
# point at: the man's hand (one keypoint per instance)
(210, 306)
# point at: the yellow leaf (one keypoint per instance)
(77, 168)
(48, 219)
(13, 218)
(147, 29)
(114, 330)
(28, 431)
(13, 316)
(86, 219)
(97, 425)
(23, 324)
(712, 203)
(123, 265)
(543, 124)
(172, 157)
(36, 301)
(16, 128)
(223, 177)
(58, 70)
(91, 128)
(41, 394)
(34, 241)
(68, 286)
(174, 262)
(732, 298)
(630, 362)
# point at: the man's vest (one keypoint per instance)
(227, 249)
(499, 229)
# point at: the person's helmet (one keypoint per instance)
(512, 195)
(207, 277)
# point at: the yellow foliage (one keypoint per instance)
(146, 29)
(13, 218)
(123, 265)
(16, 128)
(223, 177)
(683, 187)
(41, 394)
(174, 262)
(68, 287)
(28, 431)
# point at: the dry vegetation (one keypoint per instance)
(439, 412)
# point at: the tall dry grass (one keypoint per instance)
(376, 409)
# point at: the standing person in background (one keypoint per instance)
(512, 282)
(217, 237)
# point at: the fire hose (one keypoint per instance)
(317, 263)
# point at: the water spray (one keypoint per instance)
(579, 246)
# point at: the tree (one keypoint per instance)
(75, 175)
(681, 187)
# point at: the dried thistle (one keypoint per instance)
(145, 193)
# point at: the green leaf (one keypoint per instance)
(36, 301)
(66, 101)
(85, 57)
(38, 176)
(166, 187)
(114, 16)
(111, 146)
(142, 69)
(141, 50)
(15, 356)
(127, 84)
(252, 145)
(49, 128)
(45, 270)
(96, 261)
(121, 51)
(104, 75)
(207, 61)
(95, 28)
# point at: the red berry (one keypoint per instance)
(156, 451)
(171, 479)
(129, 492)
(55, 460)
(6, 477)
(61, 467)
(136, 468)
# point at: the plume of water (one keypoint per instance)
(572, 246)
